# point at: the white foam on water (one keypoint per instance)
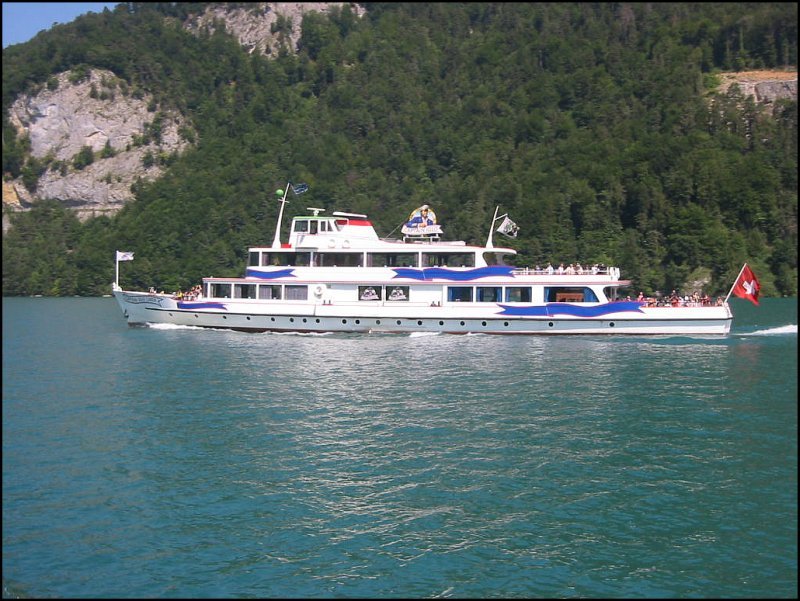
(172, 326)
(791, 329)
(422, 334)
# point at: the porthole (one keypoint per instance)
(377, 322)
(317, 320)
(611, 324)
(223, 317)
(441, 323)
(291, 320)
(419, 322)
(505, 323)
(344, 321)
(550, 324)
(398, 322)
(462, 323)
(305, 320)
(248, 318)
(272, 319)
(483, 323)
(358, 321)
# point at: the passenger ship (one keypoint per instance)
(335, 274)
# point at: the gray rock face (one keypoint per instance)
(253, 25)
(67, 116)
(98, 112)
(770, 91)
(766, 87)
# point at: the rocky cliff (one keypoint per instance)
(257, 27)
(764, 86)
(91, 110)
(129, 137)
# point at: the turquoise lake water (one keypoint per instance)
(179, 462)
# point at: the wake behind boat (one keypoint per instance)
(336, 275)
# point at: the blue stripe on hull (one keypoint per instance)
(552, 309)
(270, 275)
(201, 305)
(431, 273)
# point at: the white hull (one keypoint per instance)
(283, 316)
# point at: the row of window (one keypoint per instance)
(259, 291)
(360, 259)
(468, 294)
(519, 294)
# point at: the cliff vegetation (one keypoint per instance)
(607, 131)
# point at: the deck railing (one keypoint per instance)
(604, 270)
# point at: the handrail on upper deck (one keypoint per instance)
(612, 271)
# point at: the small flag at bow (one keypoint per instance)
(124, 256)
(299, 188)
(747, 285)
(509, 228)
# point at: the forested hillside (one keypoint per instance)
(594, 125)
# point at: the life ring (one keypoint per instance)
(318, 290)
(331, 243)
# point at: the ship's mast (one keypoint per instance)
(276, 242)
(489, 243)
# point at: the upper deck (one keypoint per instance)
(354, 231)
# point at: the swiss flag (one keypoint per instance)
(747, 285)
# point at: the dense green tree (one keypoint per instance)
(593, 125)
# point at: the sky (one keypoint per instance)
(23, 20)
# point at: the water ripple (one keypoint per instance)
(176, 462)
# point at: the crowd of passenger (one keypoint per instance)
(674, 299)
(696, 299)
(193, 293)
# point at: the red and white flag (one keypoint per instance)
(747, 285)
